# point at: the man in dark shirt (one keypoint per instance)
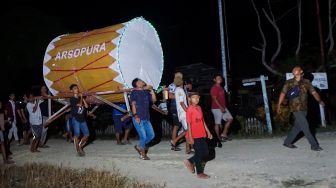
(298, 106)
(141, 101)
(45, 115)
(78, 110)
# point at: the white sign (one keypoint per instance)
(320, 79)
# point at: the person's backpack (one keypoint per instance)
(293, 92)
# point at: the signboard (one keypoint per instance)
(320, 79)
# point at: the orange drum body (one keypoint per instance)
(106, 59)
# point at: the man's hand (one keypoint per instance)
(210, 135)
(191, 141)
(279, 109)
(149, 87)
(222, 109)
(137, 119)
(322, 103)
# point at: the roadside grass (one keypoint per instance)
(36, 175)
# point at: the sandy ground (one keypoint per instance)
(240, 163)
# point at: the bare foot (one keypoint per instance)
(203, 176)
(189, 166)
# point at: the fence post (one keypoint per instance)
(267, 110)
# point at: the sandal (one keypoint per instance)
(174, 147)
(190, 152)
(144, 157)
(225, 138)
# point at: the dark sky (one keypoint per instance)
(188, 30)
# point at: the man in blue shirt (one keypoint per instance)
(142, 98)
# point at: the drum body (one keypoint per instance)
(106, 59)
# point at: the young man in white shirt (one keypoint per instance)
(181, 106)
(35, 119)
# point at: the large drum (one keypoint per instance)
(106, 59)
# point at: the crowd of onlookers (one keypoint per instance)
(17, 122)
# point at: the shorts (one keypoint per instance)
(37, 131)
(2, 138)
(219, 115)
(119, 125)
(175, 120)
(80, 127)
(68, 125)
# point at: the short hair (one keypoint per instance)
(72, 86)
(296, 68)
(134, 82)
(218, 74)
(193, 93)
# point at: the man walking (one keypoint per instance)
(141, 100)
(296, 90)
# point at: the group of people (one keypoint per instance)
(187, 118)
(21, 120)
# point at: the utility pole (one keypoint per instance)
(222, 38)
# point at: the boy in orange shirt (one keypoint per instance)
(197, 134)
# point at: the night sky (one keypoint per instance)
(188, 30)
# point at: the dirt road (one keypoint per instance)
(240, 163)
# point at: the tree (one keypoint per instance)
(271, 19)
(297, 51)
(331, 24)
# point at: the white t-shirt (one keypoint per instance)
(180, 96)
(35, 118)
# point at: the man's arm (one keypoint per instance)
(179, 99)
(134, 111)
(151, 91)
(23, 115)
(214, 98)
(183, 106)
(35, 106)
(318, 98)
(207, 130)
(18, 110)
(281, 99)
(85, 103)
(191, 140)
(213, 93)
(153, 96)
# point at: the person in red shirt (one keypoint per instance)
(219, 110)
(197, 133)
